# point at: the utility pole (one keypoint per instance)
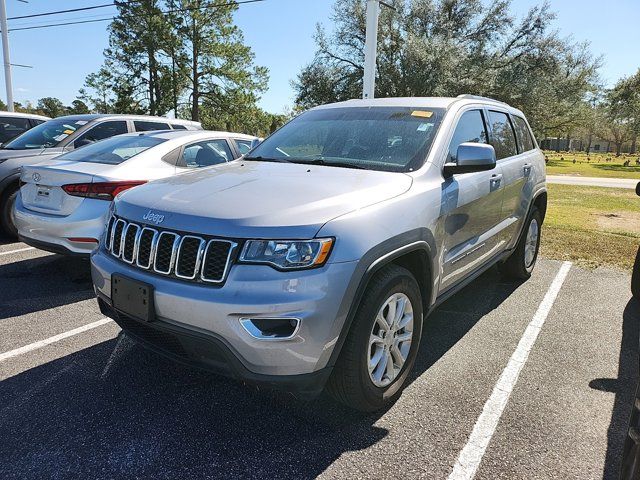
(5, 53)
(370, 49)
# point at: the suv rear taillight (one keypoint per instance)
(100, 190)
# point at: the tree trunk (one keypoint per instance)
(618, 148)
(633, 144)
(589, 143)
(152, 103)
(195, 97)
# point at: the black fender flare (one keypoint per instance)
(373, 261)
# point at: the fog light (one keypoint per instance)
(271, 328)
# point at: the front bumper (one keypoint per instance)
(53, 232)
(316, 297)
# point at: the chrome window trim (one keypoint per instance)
(199, 257)
(115, 227)
(152, 251)
(174, 249)
(136, 238)
(233, 246)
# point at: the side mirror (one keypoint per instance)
(472, 157)
(638, 189)
(82, 142)
(255, 142)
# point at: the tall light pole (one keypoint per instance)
(5, 53)
(370, 49)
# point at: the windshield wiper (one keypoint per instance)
(322, 161)
(266, 159)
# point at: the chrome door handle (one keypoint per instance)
(495, 180)
(527, 168)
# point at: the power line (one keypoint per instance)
(71, 10)
(227, 4)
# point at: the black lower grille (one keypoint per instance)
(163, 340)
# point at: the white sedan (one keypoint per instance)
(63, 203)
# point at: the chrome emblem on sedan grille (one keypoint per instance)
(36, 177)
(156, 218)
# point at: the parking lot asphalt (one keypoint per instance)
(96, 405)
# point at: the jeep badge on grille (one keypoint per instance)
(156, 218)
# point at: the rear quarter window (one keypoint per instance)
(147, 126)
(525, 140)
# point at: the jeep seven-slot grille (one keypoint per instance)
(185, 256)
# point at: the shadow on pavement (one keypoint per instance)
(42, 283)
(117, 410)
(623, 387)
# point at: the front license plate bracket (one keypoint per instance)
(133, 298)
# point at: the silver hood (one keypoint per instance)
(245, 199)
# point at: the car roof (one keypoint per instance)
(422, 102)
(88, 117)
(23, 115)
(173, 134)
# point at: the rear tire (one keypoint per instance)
(376, 359)
(7, 201)
(635, 277)
(523, 259)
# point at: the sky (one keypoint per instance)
(280, 32)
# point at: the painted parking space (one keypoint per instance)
(95, 404)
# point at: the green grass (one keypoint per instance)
(592, 226)
(593, 165)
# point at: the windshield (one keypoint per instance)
(46, 135)
(376, 138)
(114, 150)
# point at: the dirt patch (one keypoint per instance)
(627, 221)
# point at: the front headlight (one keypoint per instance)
(287, 254)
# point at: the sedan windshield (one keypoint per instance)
(393, 139)
(46, 135)
(114, 150)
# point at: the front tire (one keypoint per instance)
(523, 259)
(7, 201)
(382, 344)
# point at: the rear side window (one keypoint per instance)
(470, 128)
(502, 137)
(525, 141)
(206, 154)
(100, 132)
(178, 127)
(146, 126)
(11, 127)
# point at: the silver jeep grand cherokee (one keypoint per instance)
(313, 261)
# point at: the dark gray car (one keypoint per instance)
(63, 134)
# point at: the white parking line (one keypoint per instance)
(54, 339)
(17, 250)
(471, 455)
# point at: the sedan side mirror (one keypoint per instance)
(471, 157)
(255, 142)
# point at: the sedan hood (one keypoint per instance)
(245, 199)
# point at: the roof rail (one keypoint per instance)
(478, 97)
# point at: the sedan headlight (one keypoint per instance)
(287, 254)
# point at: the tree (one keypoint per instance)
(140, 39)
(51, 107)
(77, 107)
(450, 47)
(98, 90)
(624, 106)
(217, 63)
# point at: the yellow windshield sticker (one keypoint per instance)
(68, 132)
(421, 113)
